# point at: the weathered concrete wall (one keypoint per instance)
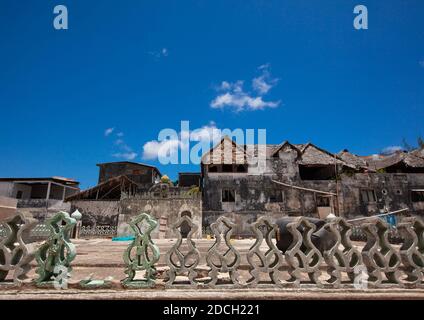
(97, 213)
(6, 189)
(253, 192)
(42, 209)
(392, 190)
(163, 209)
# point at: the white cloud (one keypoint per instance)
(391, 149)
(160, 149)
(155, 149)
(164, 52)
(206, 133)
(264, 82)
(109, 131)
(123, 150)
(421, 63)
(234, 96)
(125, 155)
(260, 85)
(242, 101)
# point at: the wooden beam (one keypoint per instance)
(305, 189)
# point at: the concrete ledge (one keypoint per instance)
(211, 294)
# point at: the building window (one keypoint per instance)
(417, 196)
(228, 195)
(19, 194)
(322, 172)
(368, 196)
(213, 169)
(241, 168)
(276, 196)
(227, 168)
(323, 201)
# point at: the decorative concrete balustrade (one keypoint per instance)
(15, 254)
(322, 256)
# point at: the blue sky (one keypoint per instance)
(141, 66)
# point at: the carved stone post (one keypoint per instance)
(271, 260)
(378, 254)
(412, 250)
(223, 262)
(302, 256)
(15, 254)
(142, 253)
(55, 255)
(340, 261)
(186, 263)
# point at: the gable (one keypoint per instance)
(225, 152)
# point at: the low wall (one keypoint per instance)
(97, 213)
(167, 211)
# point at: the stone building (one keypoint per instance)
(303, 179)
(42, 197)
(126, 189)
(247, 181)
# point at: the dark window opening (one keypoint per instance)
(417, 196)
(228, 195)
(402, 168)
(227, 168)
(241, 168)
(19, 194)
(185, 227)
(276, 196)
(213, 169)
(39, 191)
(317, 172)
(368, 196)
(323, 201)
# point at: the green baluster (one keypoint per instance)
(142, 260)
(55, 255)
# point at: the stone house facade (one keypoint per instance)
(306, 180)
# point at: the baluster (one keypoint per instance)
(183, 266)
(229, 261)
(271, 260)
(140, 259)
(337, 260)
(302, 256)
(412, 250)
(55, 255)
(15, 253)
(378, 254)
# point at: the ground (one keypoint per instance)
(102, 258)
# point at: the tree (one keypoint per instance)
(420, 142)
(406, 146)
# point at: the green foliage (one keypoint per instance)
(165, 179)
(194, 190)
(420, 142)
